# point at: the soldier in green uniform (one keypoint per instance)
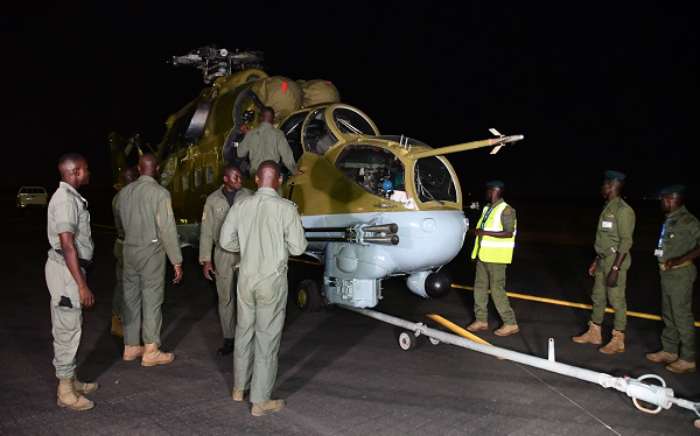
(145, 213)
(265, 228)
(68, 230)
(266, 142)
(128, 176)
(215, 209)
(613, 241)
(493, 251)
(678, 247)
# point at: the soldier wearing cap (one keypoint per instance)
(493, 251)
(613, 241)
(678, 247)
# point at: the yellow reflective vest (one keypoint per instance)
(488, 248)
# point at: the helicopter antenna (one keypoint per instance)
(218, 62)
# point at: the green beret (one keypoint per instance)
(495, 184)
(615, 175)
(672, 189)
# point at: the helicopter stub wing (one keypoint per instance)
(497, 143)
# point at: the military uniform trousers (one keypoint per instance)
(226, 275)
(602, 294)
(118, 296)
(678, 336)
(144, 288)
(491, 278)
(66, 322)
(261, 312)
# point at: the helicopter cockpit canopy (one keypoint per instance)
(324, 126)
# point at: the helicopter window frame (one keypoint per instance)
(372, 183)
(294, 138)
(346, 126)
(209, 175)
(197, 178)
(318, 118)
(425, 194)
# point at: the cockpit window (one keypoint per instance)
(349, 121)
(434, 181)
(292, 131)
(317, 137)
(377, 170)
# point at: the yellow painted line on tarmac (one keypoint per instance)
(456, 329)
(565, 303)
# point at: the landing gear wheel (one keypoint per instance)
(308, 296)
(407, 340)
(434, 341)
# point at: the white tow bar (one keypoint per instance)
(658, 395)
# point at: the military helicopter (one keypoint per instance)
(373, 206)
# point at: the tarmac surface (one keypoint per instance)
(341, 373)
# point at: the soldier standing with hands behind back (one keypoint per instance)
(68, 230)
(613, 241)
(678, 247)
(265, 228)
(146, 214)
(215, 209)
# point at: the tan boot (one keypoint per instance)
(84, 388)
(478, 326)
(69, 398)
(662, 357)
(616, 344)
(592, 335)
(132, 352)
(267, 407)
(152, 356)
(117, 329)
(681, 366)
(507, 330)
(238, 394)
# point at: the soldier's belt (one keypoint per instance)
(662, 266)
(85, 263)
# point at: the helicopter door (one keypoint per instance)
(316, 137)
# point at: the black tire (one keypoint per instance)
(407, 340)
(308, 296)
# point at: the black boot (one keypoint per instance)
(227, 348)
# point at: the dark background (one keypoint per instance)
(590, 85)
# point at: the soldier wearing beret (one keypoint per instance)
(678, 247)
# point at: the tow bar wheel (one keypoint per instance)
(407, 340)
(308, 296)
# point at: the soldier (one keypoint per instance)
(266, 142)
(265, 228)
(613, 241)
(493, 251)
(146, 214)
(68, 229)
(128, 176)
(678, 247)
(215, 209)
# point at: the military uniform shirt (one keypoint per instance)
(264, 244)
(615, 228)
(68, 213)
(215, 209)
(681, 236)
(266, 142)
(146, 213)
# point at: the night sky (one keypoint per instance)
(590, 85)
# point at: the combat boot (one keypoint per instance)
(238, 394)
(117, 328)
(681, 366)
(507, 330)
(152, 356)
(69, 398)
(84, 388)
(592, 335)
(267, 407)
(662, 357)
(616, 344)
(132, 352)
(478, 326)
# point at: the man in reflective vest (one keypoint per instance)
(493, 251)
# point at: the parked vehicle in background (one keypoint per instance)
(32, 196)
